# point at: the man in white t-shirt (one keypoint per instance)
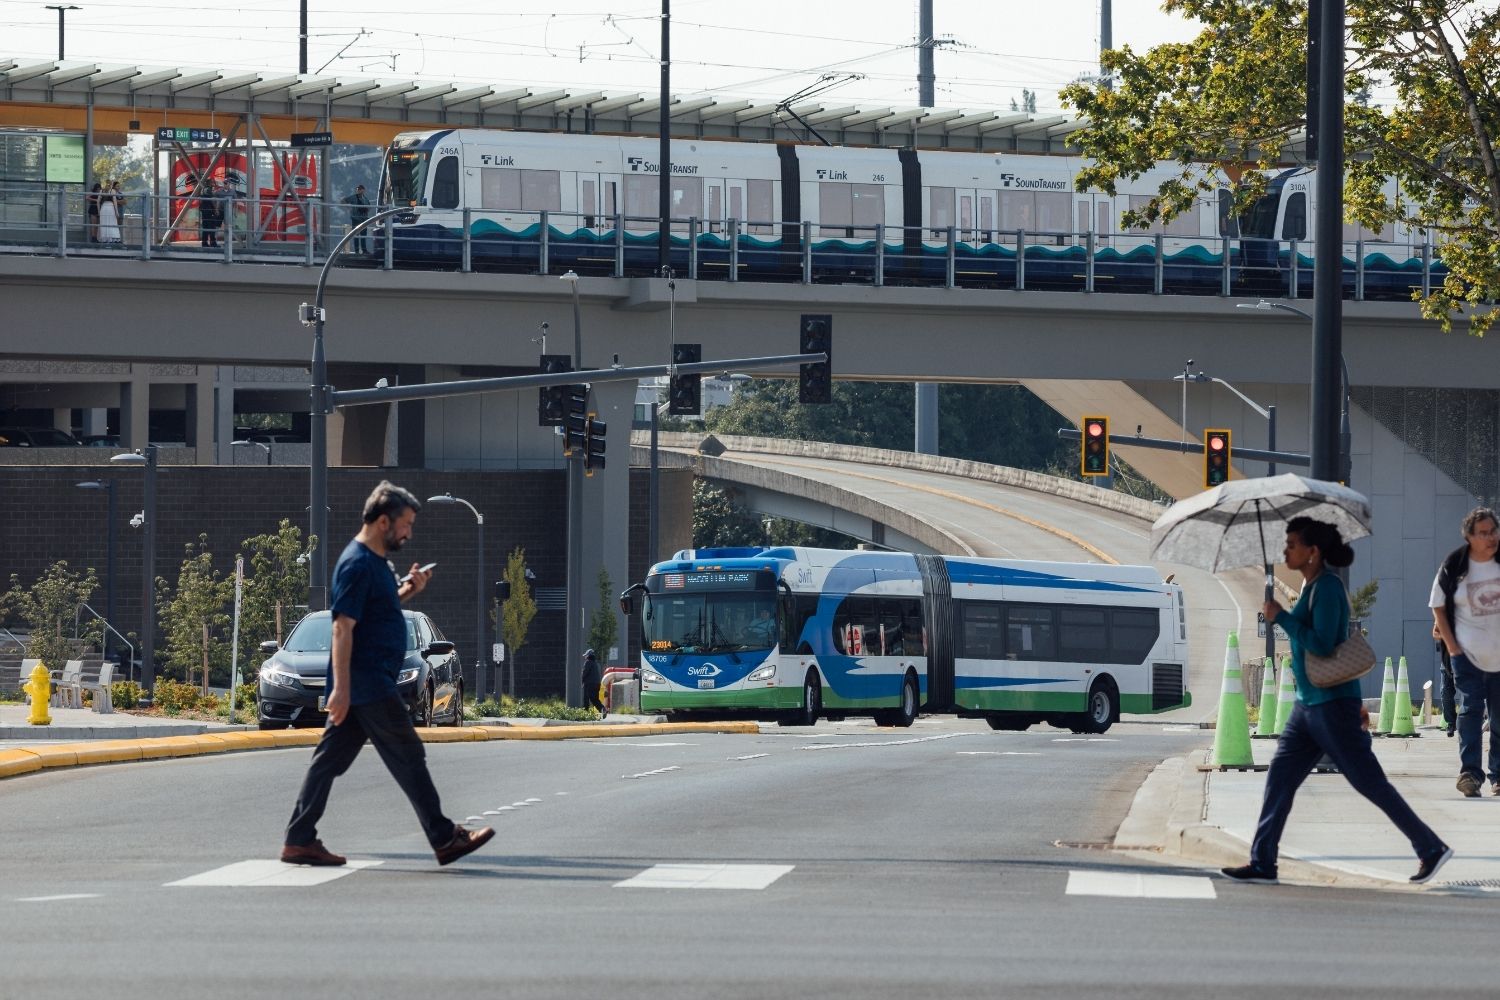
(1465, 604)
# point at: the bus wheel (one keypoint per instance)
(1103, 707)
(906, 713)
(812, 704)
(1010, 722)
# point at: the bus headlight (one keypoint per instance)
(765, 673)
(649, 676)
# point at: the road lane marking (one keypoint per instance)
(58, 898)
(887, 743)
(1179, 729)
(1136, 885)
(647, 774)
(998, 753)
(260, 872)
(1084, 739)
(706, 877)
(750, 756)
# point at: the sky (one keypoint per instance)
(765, 50)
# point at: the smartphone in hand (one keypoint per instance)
(425, 569)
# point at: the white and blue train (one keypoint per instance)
(753, 206)
(801, 634)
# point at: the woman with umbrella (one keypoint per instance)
(1325, 720)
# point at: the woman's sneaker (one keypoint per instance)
(1431, 864)
(1250, 873)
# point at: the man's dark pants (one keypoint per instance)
(1478, 692)
(1332, 727)
(387, 725)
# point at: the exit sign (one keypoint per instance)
(168, 133)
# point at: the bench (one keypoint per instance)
(66, 692)
(97, 685)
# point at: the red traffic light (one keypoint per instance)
(1094, 455)
(1216, 443)
(1095, 429)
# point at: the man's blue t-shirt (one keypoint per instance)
(364, 589)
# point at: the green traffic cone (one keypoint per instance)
(1401, 723)
(1288, 699)
(1232, 732)
(1387, 700)
(1265, 727)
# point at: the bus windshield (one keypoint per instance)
(709, 622)
(405, 178)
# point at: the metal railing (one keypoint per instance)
(55, 220)
(130, 661)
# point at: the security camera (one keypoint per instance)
(138, 520)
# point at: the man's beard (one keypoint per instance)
(392, 543)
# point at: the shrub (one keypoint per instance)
(174, 696)
(552, 708)
(126, 694)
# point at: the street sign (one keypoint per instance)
(169, 133)
(1260, 627)
(497, 652)
(312, 138)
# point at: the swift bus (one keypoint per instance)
(801, 634)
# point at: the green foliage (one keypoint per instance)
(131, 167)
(126, 694)
(1236, 94)
(1362, 601)
(604, 626)
(273, 578)
(174, 697)
(516, 613)
(202, 597)
(48, 608)
(507, 707)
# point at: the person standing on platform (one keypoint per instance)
(1465, 604)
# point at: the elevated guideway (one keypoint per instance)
(961, 507)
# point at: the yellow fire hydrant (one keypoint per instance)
(40, 689)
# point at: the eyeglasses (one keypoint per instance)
(1491, 533)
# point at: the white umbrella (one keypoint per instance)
(1226, 527)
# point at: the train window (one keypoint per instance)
(687, 201)
(1355, 231)
(939, 210)
(1030, 633)
(540, 191)
(1106, 224)
(835, 209)
(1133, 632)
(715, 207)
(641, 200)
(868, 205)
(445, 183)
(609, 199)
(762, 211)
(499, 189)
(1294, 223)
(1184, 223)
(1017, 211)
(1054, 213)
(1229, 223)
(980, 637)
(589, 204)
(987, 216)
(966, 216)
(1083, 634)
(736, 203)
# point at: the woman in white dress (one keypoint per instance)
(109, 219)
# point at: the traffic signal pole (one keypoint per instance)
(1184, 447)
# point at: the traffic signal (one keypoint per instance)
(1215, 457)
(575, 420)
(1093, 458)
(552, 404)
(593, 450)
(816, 381)
(685, 395)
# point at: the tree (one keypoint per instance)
(48, 608)
(131, 167)
(1236, 93)
(1027, 102)
(514, 616)
(604, 627)
(195, 615)
(275, 586)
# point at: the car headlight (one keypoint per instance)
(278, 674)
(764, 673)
(651, 677)
(408, 675)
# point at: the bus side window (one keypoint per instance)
(445, 183)
(1029, 633)
(855, 630)
(980, 637)
(806, 611)
(913, 630)
(889, 639)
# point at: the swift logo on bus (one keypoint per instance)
(704, 670)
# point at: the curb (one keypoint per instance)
(39, 733)
(31, 759)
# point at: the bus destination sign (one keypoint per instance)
(740, 579)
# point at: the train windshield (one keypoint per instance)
(1259, 221)
(709, 622)
(405, 178)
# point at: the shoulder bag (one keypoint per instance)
(1350, 659)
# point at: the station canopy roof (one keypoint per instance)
(412, 104)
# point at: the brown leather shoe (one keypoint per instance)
(462, 843)
(311, 854)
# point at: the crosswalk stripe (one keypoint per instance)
(706, 877)
(262, 872)
(1137, 885)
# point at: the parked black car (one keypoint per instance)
(292, 680)
(36, 437)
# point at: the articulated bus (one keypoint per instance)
(800, 634)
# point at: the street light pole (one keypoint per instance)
(1328, 195)
(62, 13)
(572, 647)
(146, 459)
(448, 499)
(254, 444)
(317, 512)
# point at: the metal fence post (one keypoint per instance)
(544, 249)
(1293, 271)
(1225, 275)
(880, 255)
(950, 255)
(1088, 261)
(619, 245)
(148, 225)
(806, 252)
(468, 264)
(390, 245)
(1426, 269)
(1020, 260)
(62, 222)
(1359, 270)
(228, 210)
(734, 249)
(1156, 281)
(693, 248)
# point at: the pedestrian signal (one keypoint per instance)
(552, 405)
(575, 422)
(816, 382)
(684, 396)
(1215, 458)
(1093, 459)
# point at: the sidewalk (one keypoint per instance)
(1210, 818)
(71, 724)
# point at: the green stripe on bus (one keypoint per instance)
(775, 698)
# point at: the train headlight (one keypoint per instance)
(649, 676)
(765, 673)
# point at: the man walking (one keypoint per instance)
(1465, 604)
(369, 644)
(590, 677)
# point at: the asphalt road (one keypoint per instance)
(838, 861)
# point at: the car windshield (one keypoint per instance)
(313, 634)
(709, 623)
